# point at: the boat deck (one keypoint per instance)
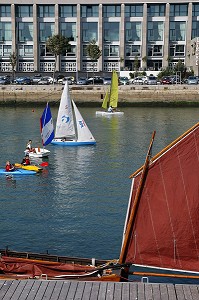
(73, 290)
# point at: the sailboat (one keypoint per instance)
(71, 129)
(111, 98)
(161, 230)
(47, 134)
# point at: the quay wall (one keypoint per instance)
(129, 95)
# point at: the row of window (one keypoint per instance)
(133, 10)
(109, 51)
(111, 31)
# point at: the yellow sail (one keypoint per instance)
(113, 99)
(106, 100)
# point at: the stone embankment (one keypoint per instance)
(129, 95)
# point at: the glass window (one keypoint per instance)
(5, 31)
(25, 31)
(71, 51)
(134, 10)
(111, 11)
(155, 50)
(133, 50)
(25, 50)
(89, 31)
(24, 11)
(156, 10)
(89, 11)
(111, 31)
(177, 50)
(67, 11)
(68, 30)
(195, 29)
(195, 10)
(5, 50)
(155, 31)
(178, 10)
(44, 51)
(111, 50)
(5, 10)
(177, 31)
(46, 11)
(133, 31)
(46, 30)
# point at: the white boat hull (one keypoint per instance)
(60, 142)
(106, 113)
(39, 153)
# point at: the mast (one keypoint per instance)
(136, 203)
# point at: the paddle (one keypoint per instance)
(44, 164)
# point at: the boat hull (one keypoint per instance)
(59, 142)
(28, 167)
(106, 113)
(39, 153)
(17, 172)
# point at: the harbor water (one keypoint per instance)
(77, 205)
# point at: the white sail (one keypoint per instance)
(65, 124)
(83, 132)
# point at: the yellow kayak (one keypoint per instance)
(28, 167)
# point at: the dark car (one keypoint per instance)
(166, 80)
(23, 80)
(95, 80)
(82, 81)
(4, 80)
(36, 78)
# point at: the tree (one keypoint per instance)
(93, 52)
(57, 45)
(13, 62)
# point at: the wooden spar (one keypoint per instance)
(166, 148)
(135, 204)
(164, 275)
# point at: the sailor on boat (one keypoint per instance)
(26, 160)
(9, 167)
(110, 109)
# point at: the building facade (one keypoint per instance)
(132, 34)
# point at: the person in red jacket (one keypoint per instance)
(9, 167)
(26, 161)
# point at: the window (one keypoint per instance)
(155, 50)
(68, 30)
(5, 31)
(67, 11)
(155, 31)
(89, 31)
(25, 50)
(111, 31)
(111, 50)
(24, 11)
(89, 11)
(177, 31)
(46, 11)
(25, 31)
(44, 51)
(133, 50)
(111, 11)
(134, 10)
(133, 31)
(156, 10)
(5, 10)
(5, 50)
(177, 50)
(46, 30)
(178, 10)
(195, 29)
(195, 10)
(71, 51)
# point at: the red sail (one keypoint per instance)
(165, 231)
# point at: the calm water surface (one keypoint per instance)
(77, 206)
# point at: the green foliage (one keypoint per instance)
(57, 44)
(93, 50)
(13, 62)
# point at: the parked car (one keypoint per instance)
(36, 78)
(4, 80)
(151, 80)
(23, 80)
(166, 80)
(82, 81)
(137, 80)
(192, 80)
(123, 80)
(95, 80)
(70, 80)
(107, 80)
(43, 81)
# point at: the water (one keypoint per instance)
(77, 206)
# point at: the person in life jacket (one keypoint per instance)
(26, 161)
(9, 167)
